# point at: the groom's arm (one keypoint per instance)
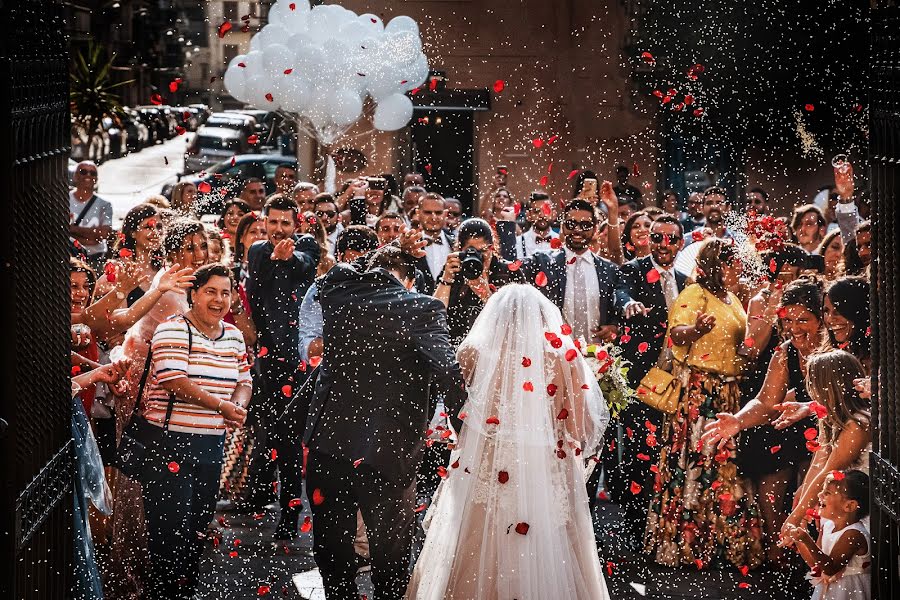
(428, 330)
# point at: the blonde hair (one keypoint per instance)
(829, 381)
(158, 201)
(177, 201)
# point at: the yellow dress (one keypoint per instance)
(701, 512)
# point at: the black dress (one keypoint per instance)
(765, 450)
(464, 305)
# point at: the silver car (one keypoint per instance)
(212, 145)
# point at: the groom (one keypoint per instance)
(366, 428)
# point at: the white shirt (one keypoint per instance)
(526, 244)
(586, 258)
(436, 255)
(332, 238)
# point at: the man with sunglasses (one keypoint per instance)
(90, 217)
(648, 288)
(326, 210)
(580, 283)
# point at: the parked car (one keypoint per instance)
(264, 119)
(156, 122)
(245, 123)
(117, 137)
(232, 176)
(138, 132)
(202, 111)
(211, 145)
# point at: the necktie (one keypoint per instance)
(578, 311)
(670, 290)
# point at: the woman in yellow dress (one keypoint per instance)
(701, 513)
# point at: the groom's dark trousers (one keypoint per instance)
(384, 347)
(388, 512)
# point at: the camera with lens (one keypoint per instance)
(471, 265)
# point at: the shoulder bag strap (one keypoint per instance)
(85, 210)
(171, 405)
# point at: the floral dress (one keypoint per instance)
(701, 512)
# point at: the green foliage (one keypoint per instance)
(91, 89)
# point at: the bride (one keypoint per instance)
(511, 518)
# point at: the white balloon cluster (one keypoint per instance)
(320, 64)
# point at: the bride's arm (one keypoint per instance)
(467, 355)
(579, 403)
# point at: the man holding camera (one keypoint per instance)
(432, 214)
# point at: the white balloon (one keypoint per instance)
(277, 58)
(402, 47)
(401, 23)
(393, 112)
(293, 20)
(255, 44)
(272, 34)
(234, 81)
(372, 23)
(234, 62)
(353, 32)
(294, 92)
(310, 61)
(277, 12)
(346, 107)
(254, 62)
(257, 87)
(416, 74)
(299, 39)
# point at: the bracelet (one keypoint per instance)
(447, 283)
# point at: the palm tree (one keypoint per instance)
(90, 93)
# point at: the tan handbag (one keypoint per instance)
(660, 390)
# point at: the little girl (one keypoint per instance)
(841, 559)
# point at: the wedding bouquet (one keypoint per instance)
(611, 371)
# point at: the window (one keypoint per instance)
(230, 11)
(228, 53)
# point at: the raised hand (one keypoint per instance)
(129, 275)
(412, 242)
(609, 199)
(720, 431)
(843, 182)
(283, 250)
(791, 411)
(176, 279)
(704, 323)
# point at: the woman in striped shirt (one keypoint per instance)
(200, 385)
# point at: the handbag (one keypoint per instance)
(660, 390)
(131, 453)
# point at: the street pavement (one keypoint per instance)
(127, 181)
(247, 564)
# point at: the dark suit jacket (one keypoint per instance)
(275, 289)
(650, 328)
(553, 265)
(383, 347)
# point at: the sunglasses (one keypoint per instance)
(579, 225)
(659, 238)
(326, 213)
(88, 172)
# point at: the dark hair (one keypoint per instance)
(386, 215)
(430, 196)
(76, 265)
(205, 273)
(253, 180)
(713, 256)
(178, 231)
(472, 229)
(228, 204)
(806, 292)
(243, 225)
(670, 220)
(850, 297)
(358, 238)
(855, 486)
(715, 190)
(287, 165)
(323, 198)
(390, 185)
(538, 196)
(853, 264)
(626, 232)
(760, 191)
(579, 204)
(620, 168)
(132, 221)
(391, 258)
(790, 254)
(668, 192)
(280, 202)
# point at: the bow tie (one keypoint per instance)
(438, 240)
(542, 240)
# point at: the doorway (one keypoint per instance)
(443, 150)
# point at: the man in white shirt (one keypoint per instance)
(90, 217)
(432, 215)
(540, 214)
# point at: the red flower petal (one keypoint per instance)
(224, 28)
(544, 180)
(502, 476)
(642, 347)
(556, 243)
(813, 446)
(811, 433)
(522, 528)
(499, 85)
(253, 139)
(317, 497)
(315, 361)
(156, 99)
(571, 353)
(295, 502)
(818, 409)
(174, 467)
(563, 415)
(775, 449)
(273, 454)
(635, 488)
(537, 142)
(837, 475)
(566, 329)
(573, 173)
(306, 526)
(809, 107)
(514, 266)
(551, 389)
(652, 276)
(528, 386)
(286, 390)
(492, 420)
(540, 279)
(526, 362)
(420, 508)
(442, 472)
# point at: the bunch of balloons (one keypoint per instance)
(321, 63)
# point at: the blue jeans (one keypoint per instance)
(178, 506)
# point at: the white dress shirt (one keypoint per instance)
(332, 238)
(527, 244)
(436, 255)
(581, 303)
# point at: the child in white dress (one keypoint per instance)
(840, 561)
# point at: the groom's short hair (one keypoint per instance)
(391, 258)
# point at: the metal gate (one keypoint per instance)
(37, 462)
(884, 156)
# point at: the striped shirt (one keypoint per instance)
(217, 366)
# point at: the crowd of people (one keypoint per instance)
(358, 352)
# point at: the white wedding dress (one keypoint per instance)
(511, 518)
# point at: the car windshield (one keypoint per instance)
(224, 122)
(210, 142)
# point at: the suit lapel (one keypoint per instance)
(562, 273)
